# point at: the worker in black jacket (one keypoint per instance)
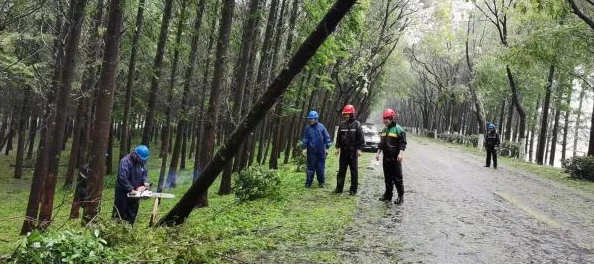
(349, 142)
(491, 145)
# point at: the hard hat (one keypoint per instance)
(143, 152)
(389, 113)
(348, 109)
(312, 115)
(491, 126)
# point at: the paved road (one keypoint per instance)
(457, 211)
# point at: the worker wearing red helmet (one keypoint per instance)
(392, 145)
(349, 142)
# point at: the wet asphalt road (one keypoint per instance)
(457, 211)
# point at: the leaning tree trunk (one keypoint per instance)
(62, 106)
(184, 207)
(32, 135)
(102, 122)
(212, 113)
(520, 109)
(124, 142)
(149, 120)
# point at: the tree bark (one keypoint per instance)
(545, 118)
(32, 135)
(182, 209)
(18, 167)
(183, 115)
(102, 121)
(62, 106)
(554, 136)
(212, 112)
(566, 123)
(578, 122)
(124, 146)
(157, 68)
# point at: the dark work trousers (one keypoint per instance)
(393, 176)
(347, 158)
(125, 208)
(316, 163)
(491, 152)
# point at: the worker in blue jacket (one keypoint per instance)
(315, 143)
(132, 178)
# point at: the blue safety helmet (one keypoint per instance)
(491, 126)
(143, 152)
(313, 115)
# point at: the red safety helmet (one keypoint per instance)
(348, 109)
(389, 113)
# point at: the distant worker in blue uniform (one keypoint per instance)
(315, 144)
(132, 178)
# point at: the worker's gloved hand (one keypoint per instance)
(141, 188)
(304, 152)
(133, 193)
(359, 153)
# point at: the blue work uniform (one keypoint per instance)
(316, 140)
(132, 174)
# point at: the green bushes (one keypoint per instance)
(460, 139)
(509, 149)
(579, 167)
(256, 182)
(64, 247)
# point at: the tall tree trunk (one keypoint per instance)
(591, 139)
(183, 115)
(545, 117)
(32, 135)
(182, 209)
(42, 159)
(18, 167)
(202, 104)
(566, 123)
(109, 155)
(578, 122)
(155, 79)
(554, 136)
(212, 113)
(124, 145)
(68, 70)
(508, 123)
(102, 121)
(520, 109)
(240, 76)
(533, 128)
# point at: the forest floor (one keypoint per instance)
(455, 211)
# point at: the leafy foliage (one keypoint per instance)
(510, 149)
(256, 182)
(64, 247)
(580, 167)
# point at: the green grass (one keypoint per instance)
(544, 171)
(300, 218)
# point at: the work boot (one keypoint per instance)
(337, 191)
(352, 193)
(487, 166)
(307, 185)
(399, 200)
(322, 185)
(385, 199)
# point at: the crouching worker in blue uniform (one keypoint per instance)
(315, 144)
(132, 178)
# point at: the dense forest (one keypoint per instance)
(217, 86)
